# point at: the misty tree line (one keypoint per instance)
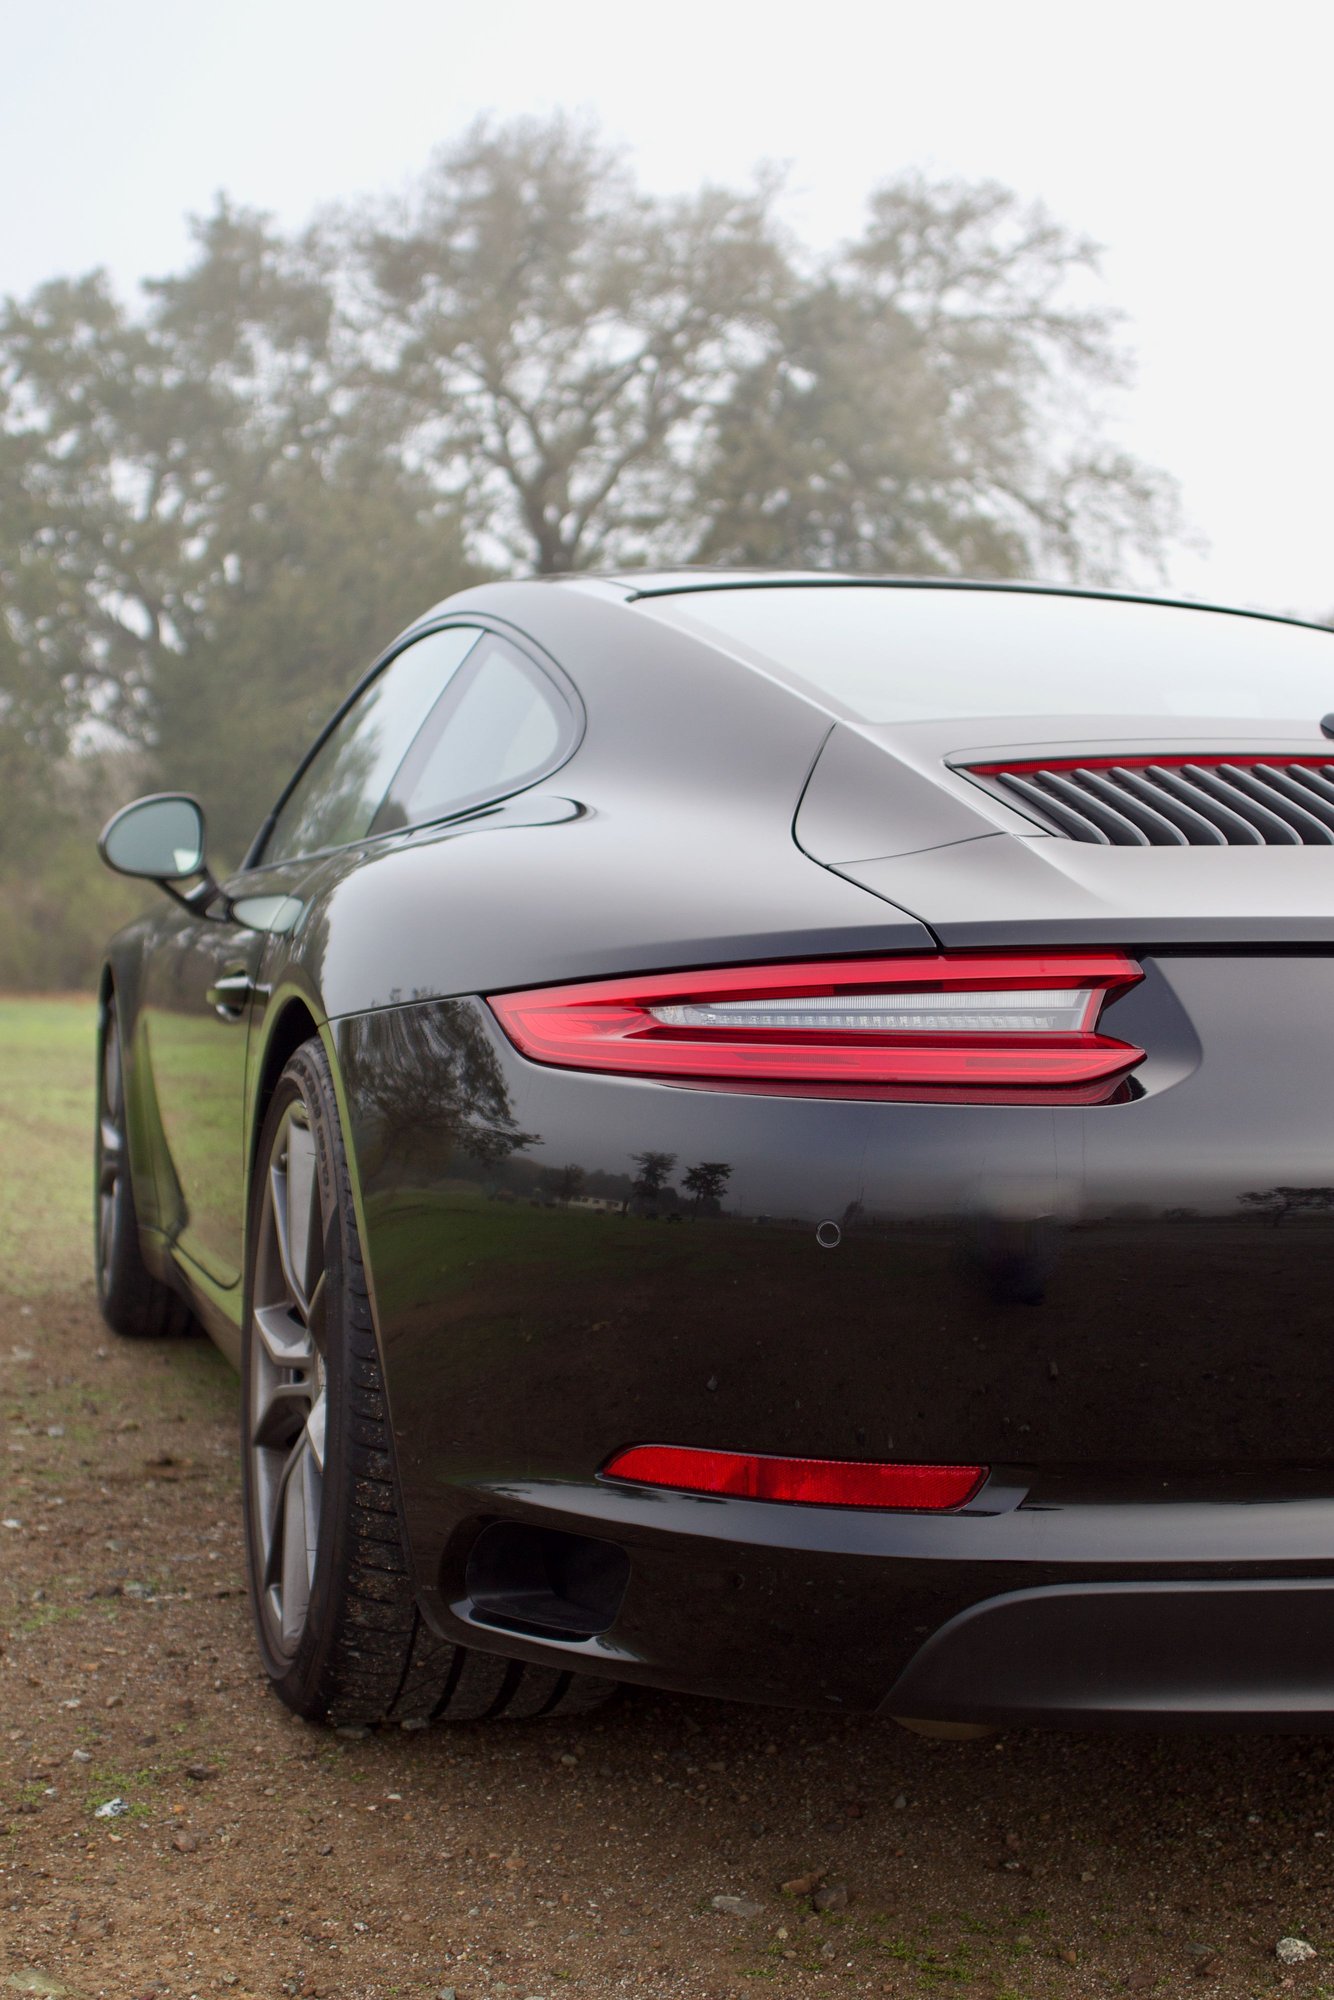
(217, 502)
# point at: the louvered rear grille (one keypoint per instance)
(1177, 801)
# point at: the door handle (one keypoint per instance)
(228, 995)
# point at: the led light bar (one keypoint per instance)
(811, 1482)
(1022, 1024)
(1063, 1011)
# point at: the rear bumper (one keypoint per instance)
(1193, 1611)
(1195, 1655)
(1127, 1306)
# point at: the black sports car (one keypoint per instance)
(766, 1135)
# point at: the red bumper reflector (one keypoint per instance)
(815, 1482)
(956, 1026)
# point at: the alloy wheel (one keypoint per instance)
(287, 1403)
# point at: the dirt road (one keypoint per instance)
(257, 1856)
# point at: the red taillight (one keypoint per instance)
(1021, 1025)
(815, 1482)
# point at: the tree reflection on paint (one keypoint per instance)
(423, 1083)
(706, 1184)
(1278, 1203)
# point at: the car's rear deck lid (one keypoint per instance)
(998, 892)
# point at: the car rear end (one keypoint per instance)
(940, 1331)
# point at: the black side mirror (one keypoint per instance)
(160, 838)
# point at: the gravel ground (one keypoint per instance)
(258, 1857)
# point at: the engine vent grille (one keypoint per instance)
(1210, 801)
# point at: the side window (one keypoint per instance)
(338, 794)
(500, 724)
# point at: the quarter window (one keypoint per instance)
(337, 796)
(499, 726)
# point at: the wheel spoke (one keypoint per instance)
(106, 1226)
(283, 1377)
(315, 1428)
(274, 1513)
(280, 1502)
(293, 1576)
(278, 1213)
(111, 1077)
(286, 1340)
(294, 1191)
(296, 1538)
(280, 1414)
(312, 1483)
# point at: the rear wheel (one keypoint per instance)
(133, 1301)
(338, 1625)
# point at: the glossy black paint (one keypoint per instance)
(1085, 1300)
(1122, 1310)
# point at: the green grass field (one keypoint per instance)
(47, 1055)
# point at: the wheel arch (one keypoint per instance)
(294, 1019)
(295, 1023)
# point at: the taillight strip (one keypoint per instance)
(813, 1482)
(1024, 1022)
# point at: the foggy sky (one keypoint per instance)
(1193, 141)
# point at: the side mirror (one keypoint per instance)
(161, 837)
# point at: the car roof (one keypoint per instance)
(630, 584)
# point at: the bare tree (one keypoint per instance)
(558, 336)
(932, 406)
(219, 498)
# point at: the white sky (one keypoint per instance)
(1194, 141)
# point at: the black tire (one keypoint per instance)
(315, 1439)
(134, 1303)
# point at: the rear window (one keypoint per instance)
(911, 654)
